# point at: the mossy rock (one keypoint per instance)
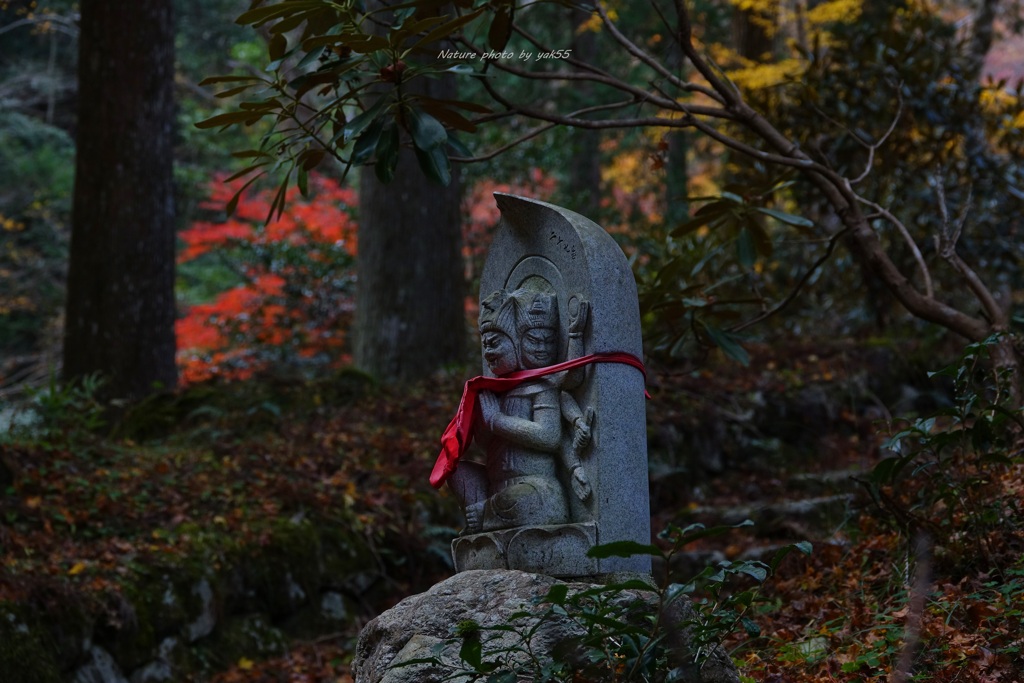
(284, 573)
(328, 612)
(154, 607)
(251, 636)
(26, 649)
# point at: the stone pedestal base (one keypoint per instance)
(557, 550)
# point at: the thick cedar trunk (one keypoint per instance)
(120, 303)
(677, 206)
(584, 182)
(753, 32)
(409, 301)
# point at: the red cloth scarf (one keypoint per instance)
(459, 433)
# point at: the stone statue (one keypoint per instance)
(559, 413)
(521, 429)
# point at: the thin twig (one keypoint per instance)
(914, 249)
(799, 285)
(881, 141)
(946, 243)
(633, 49)
(541, 129)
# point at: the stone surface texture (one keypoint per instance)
(421, 627)
(546, 257)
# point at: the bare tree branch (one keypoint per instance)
(946, 242)
(541, 129)
(799, 285)
(881, 141)
(926, 275)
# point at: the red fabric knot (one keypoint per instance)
(459, 434)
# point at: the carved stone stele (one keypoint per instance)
(566, 454)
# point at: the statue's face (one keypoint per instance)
(540, 345)
(499, 352)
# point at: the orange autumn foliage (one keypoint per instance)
(296, 298)
(296, 301)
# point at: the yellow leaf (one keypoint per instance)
(766, 75)
(846, 11)
(77, 569)
(245, 664)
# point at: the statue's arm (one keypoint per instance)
(578, 323)
(542, 433)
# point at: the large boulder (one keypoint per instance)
(422, 638)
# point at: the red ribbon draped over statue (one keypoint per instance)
(459, 433)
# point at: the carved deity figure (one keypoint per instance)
(523, 480)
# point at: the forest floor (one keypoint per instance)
(929, 571)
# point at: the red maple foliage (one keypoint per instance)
(298, 271)
(296, 301)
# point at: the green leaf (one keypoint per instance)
(233, 202)
(228, 79)
(788, 218)
(728, 343)
(557, 594)
(311, 56)
(261, 15)
(697, 531)
(277, 46)
(457, 146)
(234, 91)
(251, 154)
(885, 471)
(311, 158)
(245, 171)
(360, 122)
(704, 215)
(759, 236)
(364, 42)
(435, 164)
(228, 119)
(781, 554)
(427, 132)
(303, 181)
(306, 82)
(449, 117)
(755, 570)
(746, 253)
(387, 152)
(366, 143)
(501, 27)
(623, 549)
(279, 199)
(446, 29)
(472, 651)
(265, 13)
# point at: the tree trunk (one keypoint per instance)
(753, 32)
(120, 303)
(584, 181)
(409, 298)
